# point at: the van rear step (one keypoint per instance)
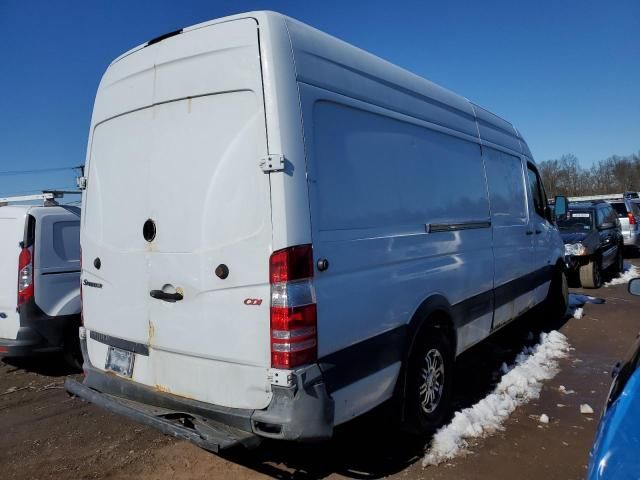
(206, 433)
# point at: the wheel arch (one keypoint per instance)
(434, 312)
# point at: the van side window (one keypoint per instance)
(374, 171)
(507, 198)
(539, 201)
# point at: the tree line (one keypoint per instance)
(565, 176)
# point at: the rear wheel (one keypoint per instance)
(429, 382)
(591, 274)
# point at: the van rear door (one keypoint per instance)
(176, 203)
(57, 260)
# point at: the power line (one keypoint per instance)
(38, 170)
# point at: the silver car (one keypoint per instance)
(629, 215)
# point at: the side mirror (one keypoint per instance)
(560, 207)
(634, 286)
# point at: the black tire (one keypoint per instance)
(557, 300)
(591, 274)
(427, 401)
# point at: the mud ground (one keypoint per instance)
(45, 434)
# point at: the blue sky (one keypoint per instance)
(566, 73)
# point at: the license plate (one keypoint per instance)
(119, 361)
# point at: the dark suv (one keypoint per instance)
(593, 242)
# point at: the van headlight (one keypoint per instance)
(575, 249)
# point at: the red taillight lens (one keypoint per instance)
(291, 264)
(293, 308)
(25, 276)
(632, 219)
(293, 336)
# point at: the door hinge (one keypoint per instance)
(81, 182)
(272, 163)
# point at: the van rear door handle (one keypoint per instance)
(167, 297)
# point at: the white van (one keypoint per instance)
(39, 276)
(281, 231)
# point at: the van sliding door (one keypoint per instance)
(512, 238)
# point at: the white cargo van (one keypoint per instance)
(281, 231)
(39, 276)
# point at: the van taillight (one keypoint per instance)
(293, 308)
(25, 276)
(632, 219)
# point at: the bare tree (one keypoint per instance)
(616, 174)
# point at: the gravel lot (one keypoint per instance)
(47, 434)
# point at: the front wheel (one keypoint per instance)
(558, 297)
(591, 275)
(429, 382)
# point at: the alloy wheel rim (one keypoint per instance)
(432, 376)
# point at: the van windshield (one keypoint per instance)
(576, 221)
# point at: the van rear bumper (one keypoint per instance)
(303, 412)
(27, 342)
(208, 434)
(39, 332)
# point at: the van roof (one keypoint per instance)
(313, 45)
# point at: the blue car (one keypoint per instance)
(616, 451)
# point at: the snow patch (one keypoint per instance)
(564, 390)
(586, 409)
(521, 383)
(544, 418)
(629, 272)
(577, 313)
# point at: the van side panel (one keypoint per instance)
(399, 208)
(12, 223)
(326, 62)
